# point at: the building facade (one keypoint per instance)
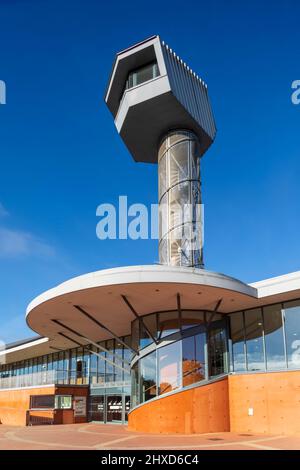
(202, 351)
(169, 348)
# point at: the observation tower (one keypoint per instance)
(162, 112)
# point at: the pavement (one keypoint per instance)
(92, 436)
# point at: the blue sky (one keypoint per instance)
(61, 156)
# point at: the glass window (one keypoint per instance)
(30, 366)
(163, 214)
(66, 360)
(179, 163)
(178, 136)
(217, 351)
(193, 359)
(274, 340)
(162, 171)
(169, 367)
(63, 402)
(50, 363)
(66, 367)
(148, 377)
(110, 369)
(86, 365)
(190, 319)
(179, 204)
(134, 385)
(34, 365)
(195, 162)
(42, 402)
(292, 332)
(60, 363)
(168, 323)
(119, 353)
(150, 323)
(142, 74)
(79, 366)
(254, 340)
(101, 365)
(40, 364)
(73, 367)
(93, 366)
(237, 336)
(127, 357)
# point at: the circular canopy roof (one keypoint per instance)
(102, 304)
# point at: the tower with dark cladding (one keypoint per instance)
(162, 112)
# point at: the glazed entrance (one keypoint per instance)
(109, 408)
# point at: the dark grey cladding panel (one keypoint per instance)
(147, 122)
(190, 91)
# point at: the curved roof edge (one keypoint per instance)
(144, 274)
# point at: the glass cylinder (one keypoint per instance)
(180, 210)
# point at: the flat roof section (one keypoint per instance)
(21, 350)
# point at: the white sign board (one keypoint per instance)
(79, 405)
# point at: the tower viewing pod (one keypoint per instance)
(162, 112)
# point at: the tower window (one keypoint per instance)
(142, 74)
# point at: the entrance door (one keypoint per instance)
(114, 407)
(127, 407)
(97, 408)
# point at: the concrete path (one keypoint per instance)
(107, 437)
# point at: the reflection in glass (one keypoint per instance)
(179, 205)
(179, 162)
(127, 355)
(86, 365)
(142, 74)
(254, 340)
(292, 332)
(150, 323)
(274, 341)
(66, 367)
(148, 377)
(238, 341)
(93, 366)
(168, 323)
(96, 408)
(217, 351)
(178, 158)
(63, 402)
(114, 408)
(163, 216)
(119, 353)
(135, 385)
(162, 184)
(169, 367)
(193, 359)
(101, 367)
(192, 318)
(110, 369)
(73, 366)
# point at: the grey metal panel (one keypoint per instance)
(189, 90)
